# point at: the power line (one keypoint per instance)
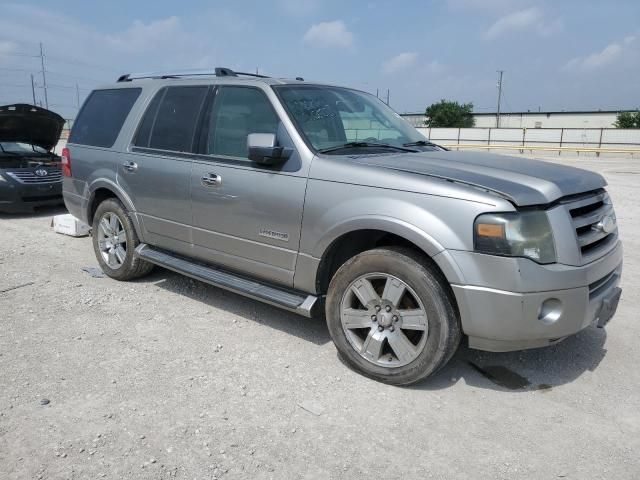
(75, 76)
(18, 54)
(82, 63)
(16, 69)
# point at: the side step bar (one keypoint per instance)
(284, 298)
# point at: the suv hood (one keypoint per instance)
(522, 181)
(30, 124)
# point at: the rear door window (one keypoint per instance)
(170, 120)
(237, 112)
(102, 116)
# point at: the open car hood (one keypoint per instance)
(30, 124)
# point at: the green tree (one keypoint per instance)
(450, 114)
(628, 120)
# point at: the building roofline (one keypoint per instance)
(544, 112)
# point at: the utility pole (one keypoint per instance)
(387, 97)
(77, 96)
(377, 92)
(501, 72)
(44, 78)
(33, 90)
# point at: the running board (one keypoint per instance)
(287, 299)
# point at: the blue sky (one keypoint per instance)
(566, 54)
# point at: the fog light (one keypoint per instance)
(550, 311)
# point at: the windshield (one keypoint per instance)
(332, 116)
(19, 147)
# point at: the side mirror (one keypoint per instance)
(263, 149)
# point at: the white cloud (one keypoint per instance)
(400, 62)
(6, 47)
(329, 34)
(523, 19)
(608, 55)
(142, 36)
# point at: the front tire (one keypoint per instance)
(115, 241)
(391, 317)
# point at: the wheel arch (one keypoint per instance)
(354, 237)
(102, 190)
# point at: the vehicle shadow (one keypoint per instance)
(313, 330)
(37, 213)
(540, 369)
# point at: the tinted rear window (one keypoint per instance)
(102, 116)
(170, 121)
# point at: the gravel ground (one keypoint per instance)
(170, 378)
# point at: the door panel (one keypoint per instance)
(159, 189)
(245, 217)
(156, 172)
(248, 222)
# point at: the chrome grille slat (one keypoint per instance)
(30, 178)
(583, 202)
(586, 214)
(591, 237)
(592, 218)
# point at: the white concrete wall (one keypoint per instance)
(549, 120)
(530, 120)
(611, 138)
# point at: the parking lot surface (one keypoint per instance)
(166, 377)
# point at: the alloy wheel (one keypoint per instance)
(384, 320)
(112, 240)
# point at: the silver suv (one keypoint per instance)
(320, 198)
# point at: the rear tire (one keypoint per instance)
(115, 241)
(391, 316)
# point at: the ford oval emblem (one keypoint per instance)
(41, 172)
(607, 224)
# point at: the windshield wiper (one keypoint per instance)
(422, 143)
(364, 145)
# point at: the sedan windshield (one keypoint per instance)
(329, 117)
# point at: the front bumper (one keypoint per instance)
(17, 198)
(512, 303)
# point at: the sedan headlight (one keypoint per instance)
(515, 234)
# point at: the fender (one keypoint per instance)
(90, 193)
(308, 264)
(393, 225)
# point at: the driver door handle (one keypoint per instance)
(211, 180)
(130, 166)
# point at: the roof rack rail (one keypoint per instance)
(217, 72)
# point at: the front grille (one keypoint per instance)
(41, 198)
(587, 212)
(29, 177)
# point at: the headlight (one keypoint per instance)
(2, 179)
(518, 234)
